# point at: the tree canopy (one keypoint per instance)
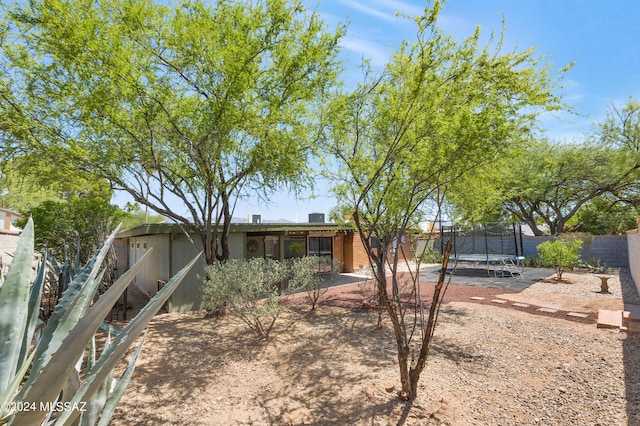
(557, 187)
(439, 110)
(199, 102)
(78, 223)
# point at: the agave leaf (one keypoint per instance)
(121, 343)
(95, 405)
(49, 380)
(112, 329)
(97, 402)
(35, 296)
(70, 308)
(54, 263)
(7, 396)
(121, 386)
(14, 308)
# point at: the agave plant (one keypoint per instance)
(40, 382)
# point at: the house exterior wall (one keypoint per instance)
(338, 248)
(7, 219)
(188, 296)
(347, 255)
(156, 265)
(8, 244)
(359, 254)
(361, 259)
(172, 249)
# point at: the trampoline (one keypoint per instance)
(497, 247)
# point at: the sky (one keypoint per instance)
(600, 37)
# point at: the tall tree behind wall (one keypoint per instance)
(198, 102)
(557, 187)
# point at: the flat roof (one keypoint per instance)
(283, 228)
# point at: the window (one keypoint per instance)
(321, 246)
(272, 247)
(294, 247)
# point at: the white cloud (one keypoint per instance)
(383, 9)
(367, 49)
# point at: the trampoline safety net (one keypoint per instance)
(488, 243)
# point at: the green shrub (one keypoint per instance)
(248, 290)
(430, 255)
(40, 364)
(311, 274)
(562, 254)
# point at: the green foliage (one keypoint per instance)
(604, 216)
(82, 221)
(311, 274)
(430, 255)
(438, 111)
(41, 369)
(552, 182)
(133, 219)
(594, 265)
(207, 102)
(26, 183)
(247, 289)
(561, 254)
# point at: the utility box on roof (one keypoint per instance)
(316, 217)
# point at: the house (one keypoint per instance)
(173, 247)
(9, 236)
(7, 219)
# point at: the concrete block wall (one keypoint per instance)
(610, 249)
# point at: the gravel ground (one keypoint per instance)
(492, 365)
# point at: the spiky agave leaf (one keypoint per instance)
(123, 340)
(14, 307)
(51, 378)
(121, 386)
(71, 306)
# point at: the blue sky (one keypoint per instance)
(600, 37)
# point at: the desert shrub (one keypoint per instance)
(312, 274)
(595, 265)
(430, 255)
(247, 289)
(562, 254)
(532, 262)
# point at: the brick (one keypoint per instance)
(502, 302)
(521, 305)
(477, 298)
(547, 310)
(609, 319)
(577, 314)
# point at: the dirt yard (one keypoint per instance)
(490, 364)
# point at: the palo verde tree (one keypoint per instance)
(439, 109)
(190, 104)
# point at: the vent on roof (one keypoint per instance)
(316, 217)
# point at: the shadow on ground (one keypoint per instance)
(630, 352)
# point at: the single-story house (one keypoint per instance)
(173, 248)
